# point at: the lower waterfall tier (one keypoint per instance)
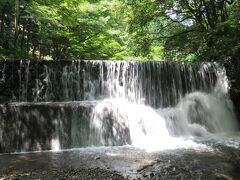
(113, 122)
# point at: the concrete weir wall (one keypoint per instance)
(158, 84)
(44, 126)
(42, 81)
(48, 104)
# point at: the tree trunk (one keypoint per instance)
(22, 39)
(28, 47)
(33, 51)
(16, 22)
(2, 23)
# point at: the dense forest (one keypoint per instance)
(120, 29)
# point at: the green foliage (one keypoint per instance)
(125, 29)
(221, 43)
(186, 30)
(60, 29)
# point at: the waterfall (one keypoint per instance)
(154, 105)
(147, 109)
(158, 84)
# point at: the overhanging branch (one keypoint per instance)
(179, 34)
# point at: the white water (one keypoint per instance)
(120, 120)
(151, 105)
(147, 127)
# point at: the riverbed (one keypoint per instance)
(210, 161)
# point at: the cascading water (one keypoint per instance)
(191, 104)
(153, 105)
(158, 84)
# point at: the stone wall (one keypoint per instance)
(38, 126)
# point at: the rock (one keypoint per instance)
(151, 174)
(97, 158)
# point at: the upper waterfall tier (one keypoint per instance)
(159, 84)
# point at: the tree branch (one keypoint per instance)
(179, 34)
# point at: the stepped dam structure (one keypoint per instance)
(52, 105)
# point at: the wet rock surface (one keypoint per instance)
(80, 173)
(194, 165)
(219, 162)
(233, 70)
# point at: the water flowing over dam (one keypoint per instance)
(69, 104)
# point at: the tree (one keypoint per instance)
(127, 29)
(182, 27)
(60, 29)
